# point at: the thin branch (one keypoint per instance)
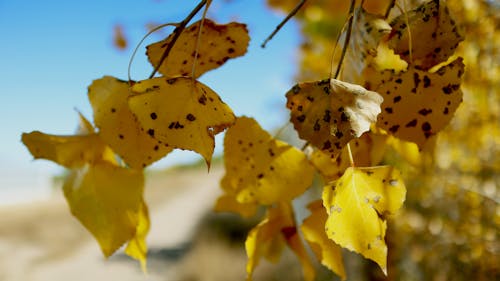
(198, 39)
(177, 32)
(389, 8)
(347, 38)
(140, 42)
(290, 15)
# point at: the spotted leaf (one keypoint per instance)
(107, 200)
(357, 205)
(418, 104)
(329, 113)
(117, 125)
(261, 169)
(326, 251)
(217, 44)
(434, 35)
(367, 31)
(367, 150)
(267, 239)
(180, 113)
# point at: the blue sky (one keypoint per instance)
(52, 50)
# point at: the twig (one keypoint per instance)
(389, 8)
(347, 38)
(195, 58)
(177, 32)
(290, 15)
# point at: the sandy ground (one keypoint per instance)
(42, 241)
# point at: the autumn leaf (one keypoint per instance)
(72, 151)
(117, 125)
(330, 113)
(218, 43)
(434, 35)
(326, 251)
(267, 239)
(367, 150)
(107, 200)
(137, 247)
(227, 203)
(180, 113)
(357, 205)
(367, 31)
(261, 169)
(418, 104)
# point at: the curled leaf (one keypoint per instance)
(434, 35)
(218, 43)
(68, 151)
(330, 113)
(357, 205)
(267, 239)
(261, 169)
(180, 113)
(117, 125)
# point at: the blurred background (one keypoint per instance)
(52, 50)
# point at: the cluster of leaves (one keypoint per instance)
(400, 86)
(447, 228)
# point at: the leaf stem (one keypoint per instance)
(288, 17)
(351, 158)
(347, 38)
(177, 32)
(199, 39)
(389, 8)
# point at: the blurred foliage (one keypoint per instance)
(448, 227)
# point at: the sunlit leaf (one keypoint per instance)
(418, 104)
(137, 247)
(367, 150)
(180, 113)
(266, 240)
(261, 169)
(228, 203)
(68, 151)
(329, 253)
(217, 44)
(434, 34)
(329, 113)
(117, 125)
(357, 205)
(367, 31)
(107, 200)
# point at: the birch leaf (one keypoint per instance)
(218, 43)
(180, 113)
(330, 113)
(117, 125)
(261, 169)
(357, 205)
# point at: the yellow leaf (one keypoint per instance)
(378, 7)
(261, 169)
(217, 44)
(418, 104)
(357, 205)
(228, 203)
(85, 127)
(68, 151)
(266, 240)
(367, 31)
(180, 113)
(137, 247)
(118, 126)
(326, 251)
(434, 35)
(107, 200)
(329, 113)
(367, 150)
